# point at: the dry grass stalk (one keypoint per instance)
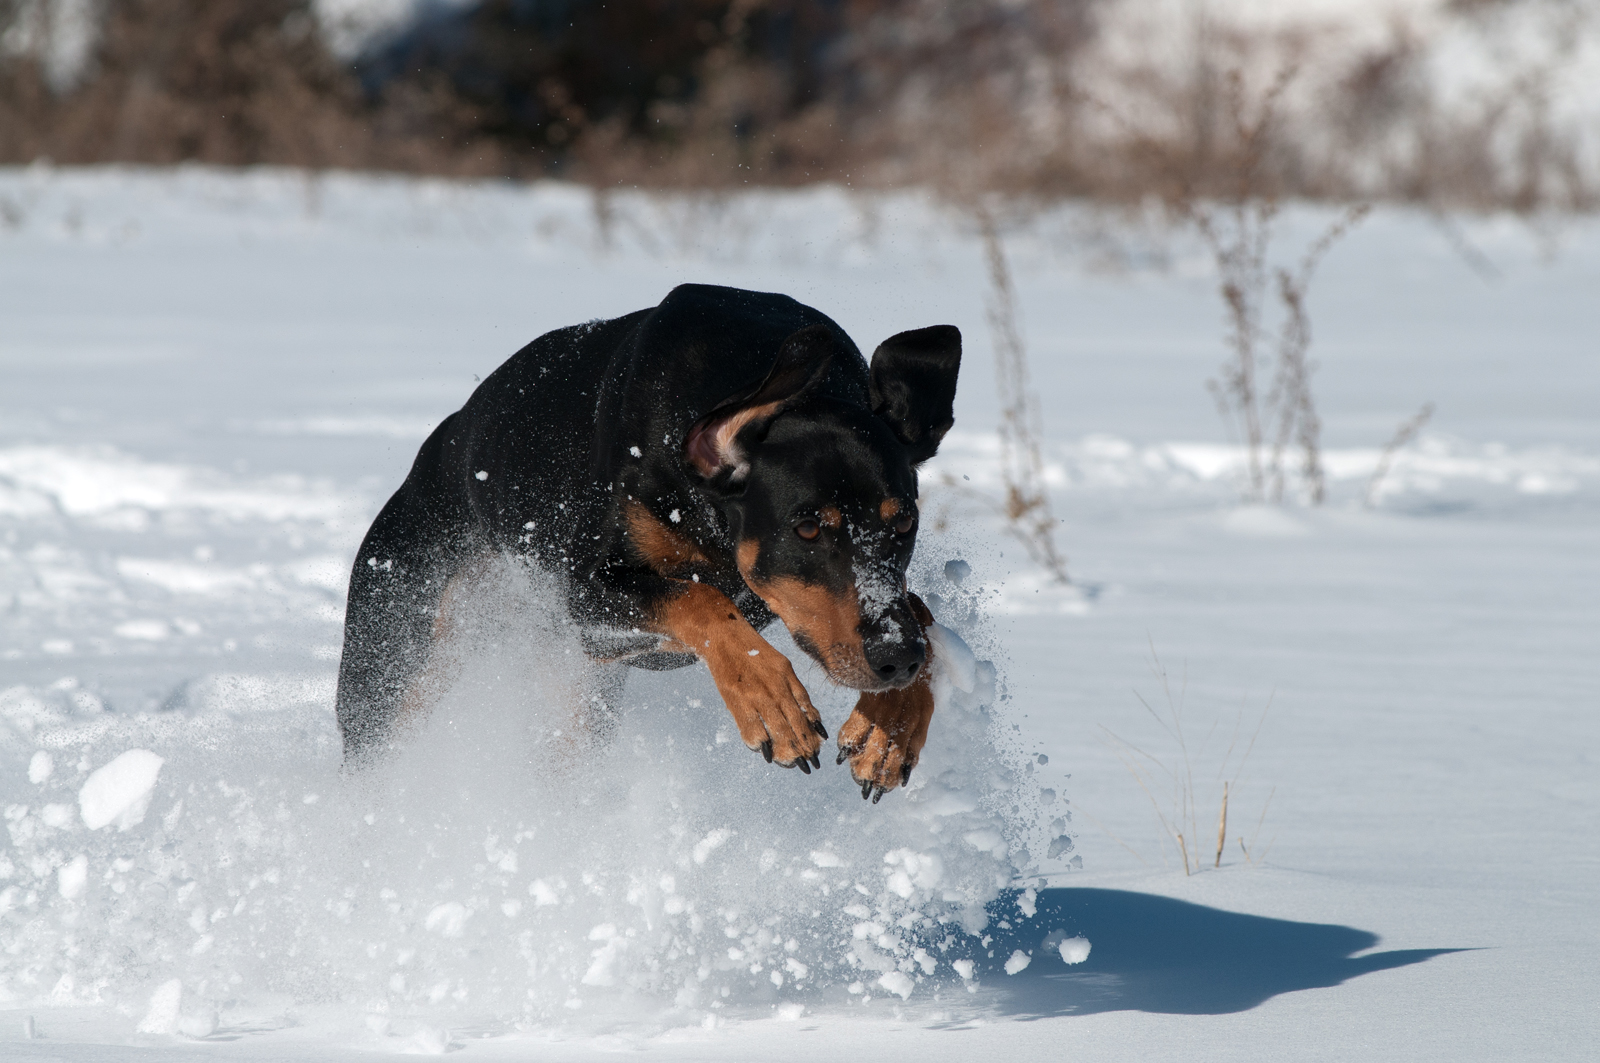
(1025, 503)
(1251, 859)
(1222, 826)
(1179, 816)
(1291, 397)
(1403, 435)
(1240, 257)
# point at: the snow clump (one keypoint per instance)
(120, 792)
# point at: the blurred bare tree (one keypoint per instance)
(230, 82)
(1112, 100)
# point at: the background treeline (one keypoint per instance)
(1461, 103)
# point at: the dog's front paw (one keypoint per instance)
(884, 736)
(771, 708)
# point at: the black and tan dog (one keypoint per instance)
(688, 473)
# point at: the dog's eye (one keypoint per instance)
(808, 529)
(903, 525)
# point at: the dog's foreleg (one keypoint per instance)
(771, 708)
(884, 736)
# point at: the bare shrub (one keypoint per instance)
(1120, 102)
(1267, 421)
(230, 82)
(1025, 502)
(1266, 402)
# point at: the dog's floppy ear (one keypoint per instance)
(914, 386)
(711, 447)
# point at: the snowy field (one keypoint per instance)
(209, 382)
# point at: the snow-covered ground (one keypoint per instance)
(208, 383)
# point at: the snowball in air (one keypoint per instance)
(1075, 950)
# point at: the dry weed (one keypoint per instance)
(1403, 435)
(1173, 774)
(1024, 502)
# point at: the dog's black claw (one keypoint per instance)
(766, 750)
(804, 765)
(816, 761)
(905, 773)
(816, 725)
(842, 755)
(866, 789)
(877, 794)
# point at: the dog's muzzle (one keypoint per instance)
(895, 649)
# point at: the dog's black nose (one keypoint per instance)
(896, 662)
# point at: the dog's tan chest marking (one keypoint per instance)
(658, 545)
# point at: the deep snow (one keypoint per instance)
(211, 381)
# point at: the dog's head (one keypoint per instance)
(821, 495)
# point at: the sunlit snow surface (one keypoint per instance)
(212, 381)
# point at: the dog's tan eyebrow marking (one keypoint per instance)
(889, 508)
(830, 516)
(746, 555)
(657, 545)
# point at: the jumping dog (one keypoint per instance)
(688, 473)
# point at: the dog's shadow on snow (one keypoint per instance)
(1157, 954)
